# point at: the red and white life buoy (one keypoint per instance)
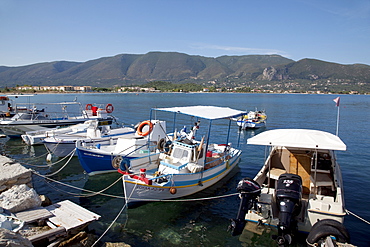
(88, 107)
(141, 128)
(109, 108)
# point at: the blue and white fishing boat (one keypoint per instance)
(299, 187)
(187, 165)
(134, 150)
(252, 120)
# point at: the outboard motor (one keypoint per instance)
(249, 191)
(288, 199)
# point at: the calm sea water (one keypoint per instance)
(204, 223)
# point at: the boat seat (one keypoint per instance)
(322, 180)
(275, 173)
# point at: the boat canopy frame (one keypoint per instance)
(210, 113)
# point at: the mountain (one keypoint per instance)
(128, 69)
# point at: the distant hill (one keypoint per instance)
(129, 69)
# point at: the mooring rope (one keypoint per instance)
(137, 199)
(70, 157)
(90, 194)
(114, 221)
(349, 212)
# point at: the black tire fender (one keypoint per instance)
(320, 233)
(333, 223)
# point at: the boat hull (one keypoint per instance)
(250, 124)
(95, 162)
(14, 129)
(179, 185)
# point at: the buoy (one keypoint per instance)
(49, 157)
(173, 190)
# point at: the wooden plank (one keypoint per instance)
(70, 215)
(300, 164)
(53, 233)
(32, 215)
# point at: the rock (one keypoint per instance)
(19, 198)
(81, 239)
(45, 201)
(12, 173)
(12, 239)
(116, 245)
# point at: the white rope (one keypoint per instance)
(115, 219)
(100, 192)
(77, 188)
(349, 212)
(70, 157)
(138, 199)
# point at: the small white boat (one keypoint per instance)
(252, 120)
(34, 117)
(187, 165)
(37, 137)
(299, 185)
(133, 150)
(90, 133)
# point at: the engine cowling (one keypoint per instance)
(288, 199)
(249, 191)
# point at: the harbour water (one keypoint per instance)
(205, 222)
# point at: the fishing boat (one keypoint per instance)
(299, 187)
(61, 144)
(252, 120)
(134, 150)
(39, 116)
(187, 164)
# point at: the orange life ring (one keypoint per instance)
(88, 107)
(141, 127)
(109, 108)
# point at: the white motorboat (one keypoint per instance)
(63, 143)
(299, 186)
(39, 116)
(37, 137)
(187, 165)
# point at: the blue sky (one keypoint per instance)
(81, 30)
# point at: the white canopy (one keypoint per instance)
(298, 138)
(207, 112)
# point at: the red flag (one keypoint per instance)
(337, 100)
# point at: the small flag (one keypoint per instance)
(337, 100)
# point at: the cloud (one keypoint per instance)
(238, 50)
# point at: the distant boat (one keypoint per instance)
(35, 117)
(252, 120)
(187, 165)
(299, 187)
(133, 150)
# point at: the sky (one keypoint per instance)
(81, 30)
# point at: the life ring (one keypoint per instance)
(109, 108)
(323, 228)
(141, 127)
(88, 106)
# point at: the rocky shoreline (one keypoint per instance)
(17, 197)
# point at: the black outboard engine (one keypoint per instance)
(249, 191)
(288, 199)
